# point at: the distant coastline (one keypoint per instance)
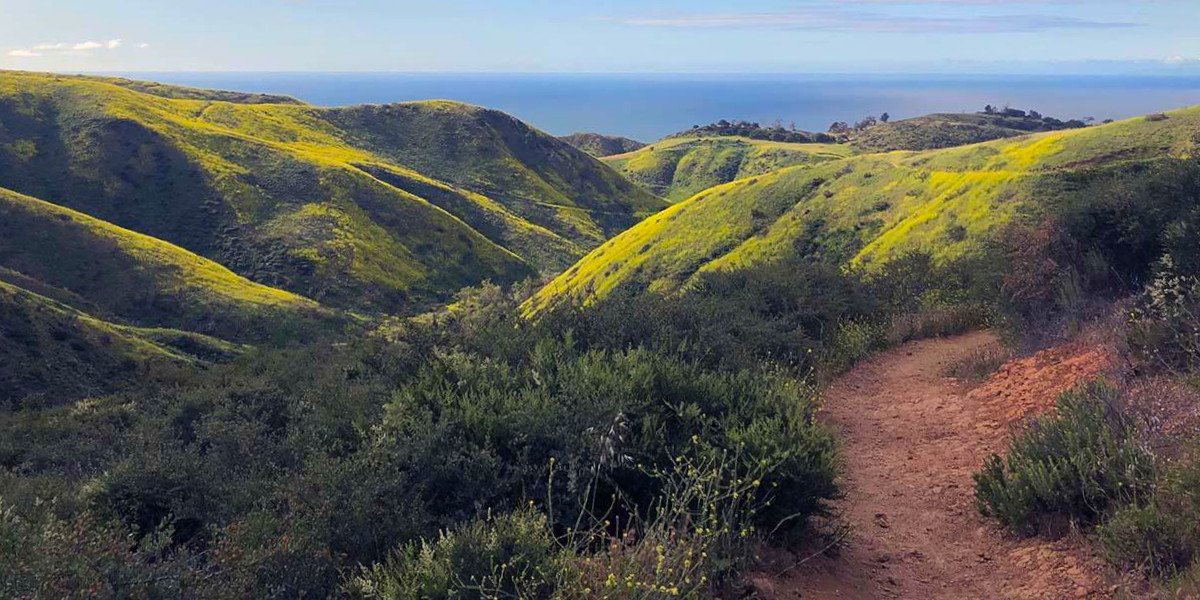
(647, 107)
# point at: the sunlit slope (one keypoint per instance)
(867, 209)
(678, 168)
(288, 194)
(114, 272)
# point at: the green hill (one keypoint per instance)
(326, 203)
(867, 209)
(947, 130)
(51, 350)
(117, 273)
(677, 168)
(599, 145)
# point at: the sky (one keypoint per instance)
(614, 36)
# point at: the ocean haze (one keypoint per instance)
(647, 107)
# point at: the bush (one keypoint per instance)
(1161, 537)
(512, 556)
(1165, 323)
(853, 341)
(980, 364)
(694, 537)
(1074, 465)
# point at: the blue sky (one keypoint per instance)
(601, 36)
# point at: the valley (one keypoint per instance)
(256, 348)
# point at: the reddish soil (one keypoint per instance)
(912, 438)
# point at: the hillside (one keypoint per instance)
(58, 353)
(600, 145)
(380, 208)
(946, 130)
(680, 167)
(867, 209)
(114, 272)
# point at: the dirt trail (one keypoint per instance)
(912, 438)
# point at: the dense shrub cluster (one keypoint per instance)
(1074, 465)
(776, 132)
(608, 429)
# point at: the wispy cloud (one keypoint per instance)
(68, 49)
(831, 18)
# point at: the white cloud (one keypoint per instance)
(1180, 60)
(829, 18)
(69, 49)
(143, 45)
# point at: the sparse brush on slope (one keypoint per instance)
(678, 168)
(602, 145)
(864, 211)
(947, 130)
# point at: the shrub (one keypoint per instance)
(853, 341)
(1074, 465)
(980, 364)
(512, 556)
(1165, 323)
(1162, 535)
(695, 536)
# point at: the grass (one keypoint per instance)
(678, 168)
(864, 211)
(54, 352)
(279, 191)
(137, 277)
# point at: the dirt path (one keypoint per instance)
(912, 439)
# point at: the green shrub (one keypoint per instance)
(1074, 465)
(1162, 535)
(1165, 323)
(511, 556)
(853, 341)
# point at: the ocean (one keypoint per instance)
(648, 107)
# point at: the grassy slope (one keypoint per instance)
(532, 174)
(280, 192)
(678, 168)
(944, 130)
(600, 145)
(117, 273)
(52, 349)
(866, 209)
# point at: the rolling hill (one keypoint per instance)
(55, 352)
(946, 130)
(599, 145)
(678, 167)
(866, 209)
(374, 208)
(112, 272)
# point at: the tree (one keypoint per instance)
(839, 127)
(866, 123)
(884, 118)
(989, 110)
(1033, 114)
